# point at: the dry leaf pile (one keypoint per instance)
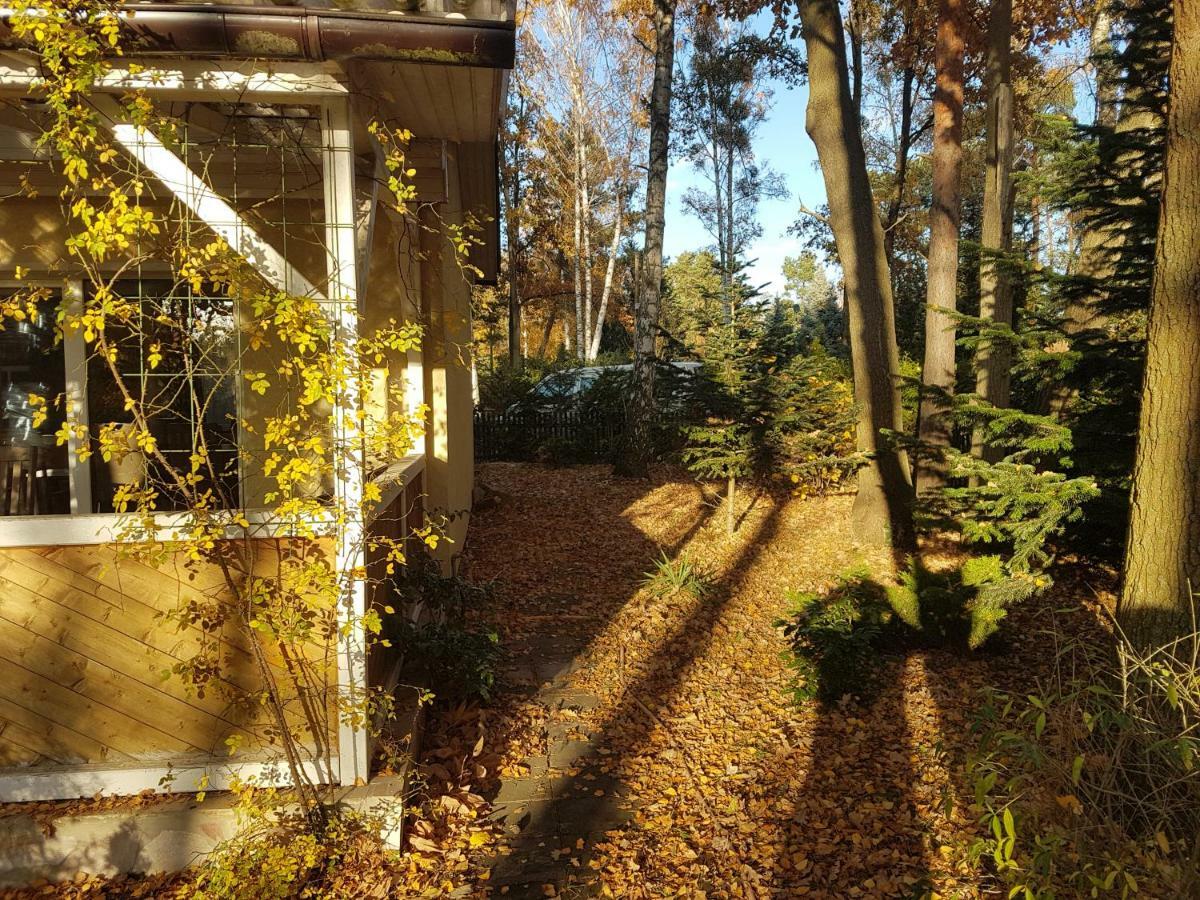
(738, 793)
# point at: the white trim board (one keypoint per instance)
(31, 783)
(180, 79)
(102, 528)
(205, 203)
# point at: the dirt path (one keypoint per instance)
(651, 747)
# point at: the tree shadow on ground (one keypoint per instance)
(829, 800)
(880, 779)
(574, 810)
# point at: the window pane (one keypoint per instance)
(177, 361)
(33, 469)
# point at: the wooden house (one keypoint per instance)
(272, 100)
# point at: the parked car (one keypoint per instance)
(568, 387)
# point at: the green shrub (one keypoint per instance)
(838, 639)
(835, 639)
(459, 662)
(501, 388)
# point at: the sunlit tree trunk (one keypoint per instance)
(993, 362)
(516, 358)
(941, 298)
(882, 512)
(606, 290)
(1162, 561)
(577, 250)
(636, 459)
(585, 194)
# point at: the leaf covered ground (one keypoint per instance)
(644, 743)
(728, 788)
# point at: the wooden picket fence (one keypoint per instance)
(561, 435)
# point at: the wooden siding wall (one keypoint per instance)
(83, 649)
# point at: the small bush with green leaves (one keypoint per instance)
(835, 639)
(459, 662)
(672, 577)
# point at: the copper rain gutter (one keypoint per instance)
(296, 33)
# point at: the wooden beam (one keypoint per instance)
(205, 203)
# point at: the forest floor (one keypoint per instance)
(648, 746)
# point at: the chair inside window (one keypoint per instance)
(22, 492)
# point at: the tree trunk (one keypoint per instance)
(993, 362)
(731, 505)
(856, 55)
(516, 360)
(1101, 242)
(636, 460)
(941, 298)
(907, 98)
(577, 247)
(1162, 560)
(606, 290)
(882, 512)
(586, 198)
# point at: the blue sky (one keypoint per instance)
(783, 144)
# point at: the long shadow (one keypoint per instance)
(880, 779)
(596, 796)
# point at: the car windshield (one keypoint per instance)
(559, 384)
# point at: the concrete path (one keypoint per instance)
(555, 814)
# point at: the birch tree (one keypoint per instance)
(588, 76)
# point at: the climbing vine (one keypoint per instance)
(261, 528)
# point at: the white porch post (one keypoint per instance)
(337, 141)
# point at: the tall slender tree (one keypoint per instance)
(1162, 562)
(636, 459)
(882, 510)
(941, 299)
(993, 358)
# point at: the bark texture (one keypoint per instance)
(636, 459)
(993, 362)
(941, 297)
(1162, 563)
(882, 511)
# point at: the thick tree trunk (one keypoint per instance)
(516, 360)
(1162, 561)
(941, 298)
(882, 511)
(636, 459)
(993, 362)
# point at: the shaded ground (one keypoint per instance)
(648, 746)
